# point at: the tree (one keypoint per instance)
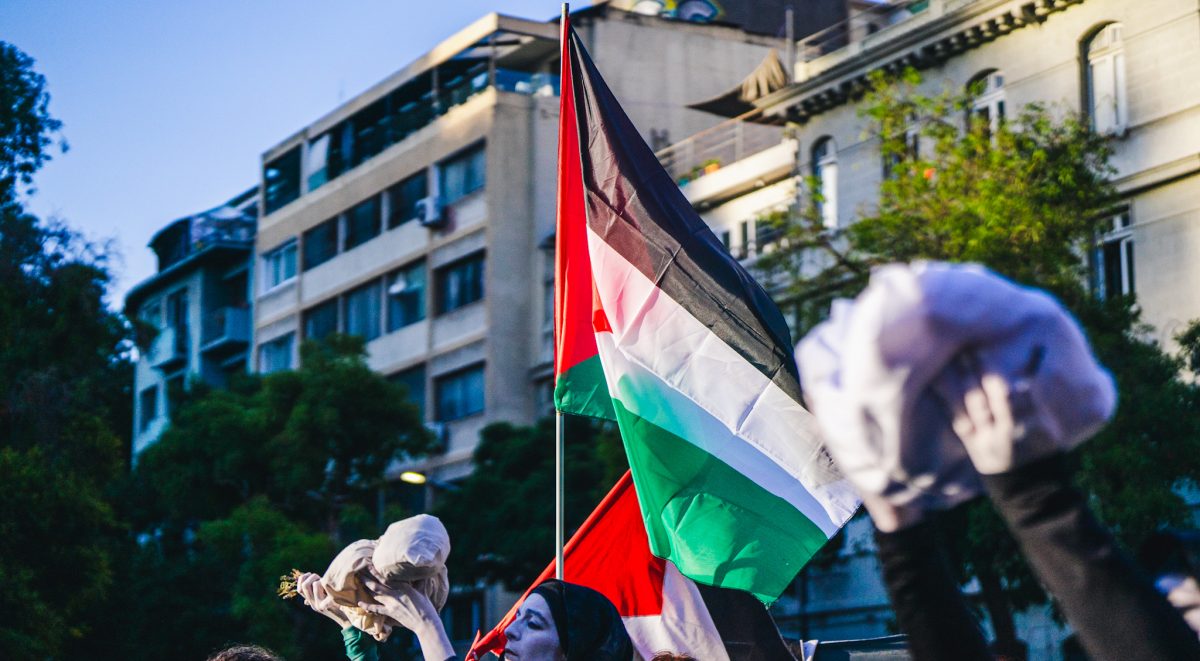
(501, 517)
(280, 471)
(1027, 199)
(64, 398)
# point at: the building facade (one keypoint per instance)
(195, 310)
(1121, 65)
(420, 214)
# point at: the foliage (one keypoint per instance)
(501, 517)
(27, 131)
(277, 472)
(1026, 198)
(64, 394)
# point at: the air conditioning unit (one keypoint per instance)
(430, 213)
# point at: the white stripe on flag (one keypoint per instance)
(684, 627)
(653, 330)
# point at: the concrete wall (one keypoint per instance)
(656, 67)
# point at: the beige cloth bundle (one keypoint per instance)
(411, 551)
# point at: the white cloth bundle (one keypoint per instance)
(412, 551)
(868, 370)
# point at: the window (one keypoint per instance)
(364, 311)
(911, 150)
(320, 243)
(824, 170)
(279, 265)
(402, 199)
(175, 387)
(1112, 260)
(148, 407)
(276, 355)
(462, 175)
(725, 240)
(177, 318)
(744, 247)
(406, 296)
(362, 223)
(316, 166)
(281, 180)
(1105, 80)
(987, 106)
(459, 283)
(459, 394)
(413, 379)
(151, 313)
(321, 320)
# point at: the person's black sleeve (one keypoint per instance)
(929, 607)
(1111, 605)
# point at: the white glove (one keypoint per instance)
(310, 589)
(414, 611)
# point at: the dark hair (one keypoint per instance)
(671, 656)
(245, 653)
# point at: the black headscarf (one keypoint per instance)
(589, 627)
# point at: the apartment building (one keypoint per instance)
(420, 214)
(1122, 65)
(196, 307)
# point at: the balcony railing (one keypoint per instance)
(226, 330)
(861, 24)
(170, 349)
(727, 142)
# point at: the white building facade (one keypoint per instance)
(1125, 66)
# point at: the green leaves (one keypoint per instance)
(1027, 198)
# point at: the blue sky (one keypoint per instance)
(167, 105)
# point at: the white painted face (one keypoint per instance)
(532, 635)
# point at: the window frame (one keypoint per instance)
(461, 373)
(288, 342)
(331, 224)
(477, 150)
(441, 304)
(345, 302)
(389, 282)
(824, 164)
(1105, 47)
(269, 264)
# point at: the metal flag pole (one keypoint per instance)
(559, 483)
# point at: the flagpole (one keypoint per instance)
(559, 485)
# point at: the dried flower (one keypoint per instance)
(287, 584)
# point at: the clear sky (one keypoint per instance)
(167, 105)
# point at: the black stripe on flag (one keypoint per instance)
(635, 207)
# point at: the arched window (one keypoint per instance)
(987, 92)
(824, 171)
(1104, 79)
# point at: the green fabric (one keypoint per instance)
(717, 525)
(582, 390)
(359, 646)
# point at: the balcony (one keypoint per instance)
(226, 331)
(710, 154)
(170, 349)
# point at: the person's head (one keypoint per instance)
(565, 622)
(245, 653)
(671, 656)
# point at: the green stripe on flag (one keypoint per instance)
(582, 390)
(717, 525)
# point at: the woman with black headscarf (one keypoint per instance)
(560, 620)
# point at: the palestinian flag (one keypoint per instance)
(662, 610)
(659, 328)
